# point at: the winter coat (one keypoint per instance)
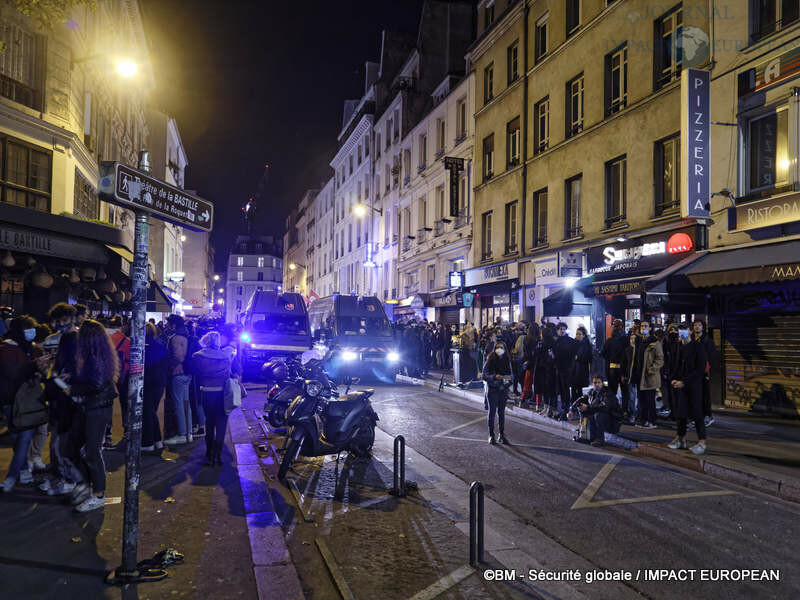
(690, 368)
(564, 350)
(614, 350)
(652, 361)
(91, 395)
(544, 372)
(178, 346)
(497, 365)
(211, 367)
(156, 365)
(581, 364)
(16, 367)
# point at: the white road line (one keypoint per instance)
(444, 584)
(457, 427)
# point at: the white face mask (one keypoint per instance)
(500, 351)
(30, 334)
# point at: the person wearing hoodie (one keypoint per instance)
(212, 369)
(20, 361)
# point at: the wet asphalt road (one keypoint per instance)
(637, 515)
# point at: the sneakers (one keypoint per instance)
(61, 488)
(175, 440)
(708, 421)
(25, 477)
(189, 438)
(8, 484)
(159, 445)
(504, 440)
(47, 485)
(698, 449)
(91, 503)
(677, 444)
(80, 492)
(37, 465)
(149, 448)
(492, 440)
(649, 425)
(201, 432)
(597, 443)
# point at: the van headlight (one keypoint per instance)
(349, 355)
(393, 356)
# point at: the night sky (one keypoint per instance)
(252, 83)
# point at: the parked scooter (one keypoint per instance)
(322, 426)
(289, 377)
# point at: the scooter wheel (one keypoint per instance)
(364, 440)
(277, 416)
(289, 457)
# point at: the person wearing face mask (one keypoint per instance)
(651, 362)
(671, 344)
(20, 361)
(498, 377)
(687, 380)
(62, 319)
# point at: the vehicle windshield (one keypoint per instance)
(288, 324)
(364, 326)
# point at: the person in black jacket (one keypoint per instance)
(601, 410)
(529, 361)
(699, 334)
(545, 379)
(614, 354)
(156, 376)
(581, 363)
(498, 377)
(93, 388)
(688, 372)
(564, 350)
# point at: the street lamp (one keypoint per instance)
(293, 266)
(221, 301)
(216, 277)
(127, 68)
(360, 210)
(221, 290)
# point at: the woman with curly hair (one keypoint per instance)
(92, 387)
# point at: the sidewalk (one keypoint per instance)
(49, 551)
(762, 453)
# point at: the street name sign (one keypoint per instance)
(132, 188)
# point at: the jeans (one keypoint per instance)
(216, 422)
(564, 390)
(497, 404)
(22, 441)
(198, 413)
(695, 409)
(632, 404)
(38, 442)
(647, 406)
(151, 430)
(88, 429)
(599, 423)
(178, 396)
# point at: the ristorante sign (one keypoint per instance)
(640, 256)
(765, 213)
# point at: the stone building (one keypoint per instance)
(255, 264)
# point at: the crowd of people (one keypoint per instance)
(59, 381)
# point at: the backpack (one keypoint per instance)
(30, 407)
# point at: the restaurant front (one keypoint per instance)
(497, 293)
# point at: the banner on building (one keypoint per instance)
(695, 140)
(455, 166)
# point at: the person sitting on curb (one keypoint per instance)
(600, 409)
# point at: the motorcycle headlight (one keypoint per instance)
(393, 357)
(313, 388)
(349, 355)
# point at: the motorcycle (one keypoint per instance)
(290, 377)
(321, 426)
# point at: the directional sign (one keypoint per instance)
(132, 188)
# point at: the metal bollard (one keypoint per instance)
(399, 464)
(475, 523)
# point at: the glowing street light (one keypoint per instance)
(360, 210)
(221, 290)
(221, 301)
(293, 266)
(127, 68)
(216, 277)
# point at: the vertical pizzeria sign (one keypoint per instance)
(695, 143)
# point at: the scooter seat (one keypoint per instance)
(341, 406)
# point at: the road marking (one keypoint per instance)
(585, 499)
(457, 427)
(444, 584)
(338, 578)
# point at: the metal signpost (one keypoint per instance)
(136, 189)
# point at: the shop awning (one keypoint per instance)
(739, 266)
(123, 252)
(157, 300)
(566, 302)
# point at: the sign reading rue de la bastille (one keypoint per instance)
(777, 210)
(123, 185)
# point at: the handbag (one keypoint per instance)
(232, 395)
(30, 407)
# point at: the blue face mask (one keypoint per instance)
(30, 335)
(684, 333)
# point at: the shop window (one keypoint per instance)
(512, 59)
(488, 83)
(616, 175)
(616, 91)
(540, 218)
(486, 231)
(511, 228)
(512, 143)
(25, 178)
(574, 107)
(667, 63)
(540, 39)
(488, 157)
(541, 125)
(667, 170)
(572, 207)
(771, 16)
(768, 150)
(85, 201)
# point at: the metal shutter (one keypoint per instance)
(762, 363)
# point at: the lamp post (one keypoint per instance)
(294, 267)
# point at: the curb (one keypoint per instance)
(785, 489)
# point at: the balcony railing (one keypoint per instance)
(407, 244)
(406, 179)
(421, 236)
(438, 228)
(461, 221)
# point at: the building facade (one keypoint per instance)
(255, 264)
(297, 270)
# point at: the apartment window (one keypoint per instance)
(431, 277)
(260, 276)
(21, 66)
(86, 202)
(486, 230)
(540, 39)
(667, 31)
(358, 234)
(667, 170)
(572, 207)
(616, 80)
(488, 14)
(769, 16)
(461, 111)
(440, 133)
(350, 162)
(574, 108)
(573, 16)
(541, 125)
(396, 121)
(407, 221)
(423, 151)
(377, 145)
(388, 133)
(513, 62)
(488, 157)
(540, 218)
(239, 276)
(25, 176)
(441, 208)
(349, 237)
(240, 290)
(422, 215)
(511, 227)
(768, 150)
(359, 154)
(239, 305)
(615, 191)
(512, 143)
(260, 261)
(488, 83)
(366, 145)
